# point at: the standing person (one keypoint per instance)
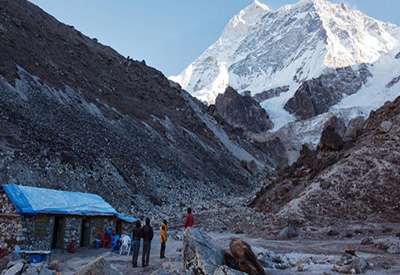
(163, 238)
(189, 219)
(148, 234)
(136, 236)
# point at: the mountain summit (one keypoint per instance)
(262, 49)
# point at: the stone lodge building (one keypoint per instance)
(44, 219)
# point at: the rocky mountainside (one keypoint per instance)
(303, 62)
(76, 115)
(353, 175)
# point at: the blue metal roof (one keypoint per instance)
(125, 218)
(33, 200)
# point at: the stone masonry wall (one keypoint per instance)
(37, 232)
(73, 231)
(10, 224)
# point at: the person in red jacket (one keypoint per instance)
(189, 219)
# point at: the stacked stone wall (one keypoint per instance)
(10, 224)
(37, 232)
(73, 231)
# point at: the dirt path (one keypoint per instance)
(173, 259)
(71, 263)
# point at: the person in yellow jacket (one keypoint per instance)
(163, 238)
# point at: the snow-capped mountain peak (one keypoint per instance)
(249, 15)
(261, 49)
(255, 7)
(246, 18)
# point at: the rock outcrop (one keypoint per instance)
(316, 96)
(200, 253)
(97, 266)
(393, 82)
(354, 129)
(271, 93)
(330, 140)
(242, 112)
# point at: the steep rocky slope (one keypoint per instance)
(353, 175)
(76, 115)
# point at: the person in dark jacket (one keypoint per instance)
(147, 235)
(136, 236)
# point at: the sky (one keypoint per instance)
(170, 34)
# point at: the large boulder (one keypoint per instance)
(201, 255)
(54, 265)
(96, 267)
(170, 268)
(242, 112)
(354, 129)
(245, 259)
(15, 269)
(351, 264)
(391, 245)
(386, 126)
(37, 270)
(338, 124)
(289, 232)
(330, 140)
(272, 260)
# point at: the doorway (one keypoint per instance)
(58, 233)
(119, 227)
(85, 233)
